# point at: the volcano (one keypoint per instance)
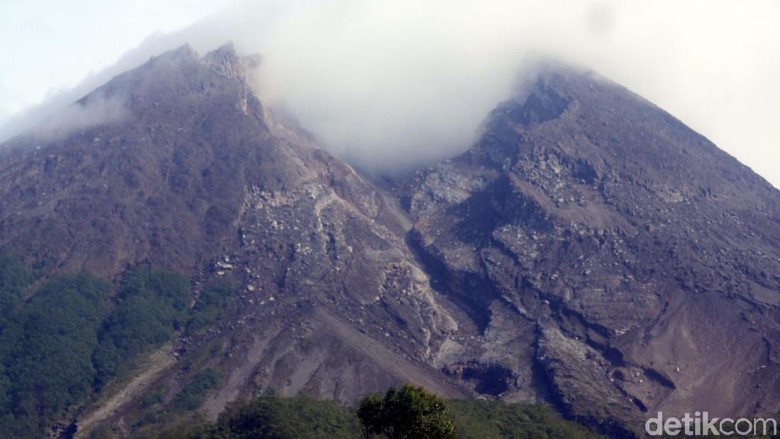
(588, 251)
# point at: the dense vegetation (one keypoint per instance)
(47, 347)
(65, 339)
(302, 417)
(269, 416)
(151, 305)
(408, 412)
(496, 419)
(212, 306)
(14, 279)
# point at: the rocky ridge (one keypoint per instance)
(639, 255)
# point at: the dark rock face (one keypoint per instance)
(589, 250)
(163, 184)
(201, 179)
(643, 258)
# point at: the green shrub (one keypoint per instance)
(495, 419)
(14, 280)
(408, 412)
(211, 307)
(194, 393)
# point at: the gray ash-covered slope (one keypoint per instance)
(613, 258)
(160, 183)
(199, 178)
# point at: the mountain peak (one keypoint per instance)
(185, 51)
(653, 230)
(226, 62)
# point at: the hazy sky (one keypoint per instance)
(387, 83)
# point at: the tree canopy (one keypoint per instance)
(406, 413)
(63, 340)
(302, 417)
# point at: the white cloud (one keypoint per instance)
(97, 110)
(51, 45)
(388, 83)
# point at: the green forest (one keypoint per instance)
(301, 417)
(64, 338)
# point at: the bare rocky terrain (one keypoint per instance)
(641, 261)
(589, 250)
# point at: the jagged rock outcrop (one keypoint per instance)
(644, 257)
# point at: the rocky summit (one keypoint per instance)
(588, 251)
(615, 261)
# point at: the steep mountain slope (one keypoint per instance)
(201, 179)
(643, 259)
